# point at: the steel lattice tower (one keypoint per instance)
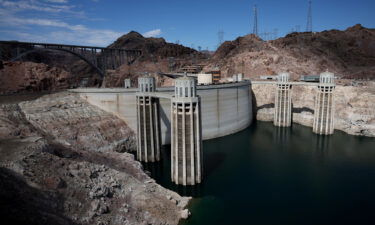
(220, 35)
(255, 28)
(309, 18)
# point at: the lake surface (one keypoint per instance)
(266, 175)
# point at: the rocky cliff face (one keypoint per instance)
(63, 161)
(18, 77)
(354, 106)
(348, 54)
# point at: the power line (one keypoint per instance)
(309, 18)
(220, 36)
(255, 28)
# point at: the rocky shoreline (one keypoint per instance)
(64, 161)
(354, 106)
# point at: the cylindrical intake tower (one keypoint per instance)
(283, 102)
(186, 146)
(324, 105)
(148, 126)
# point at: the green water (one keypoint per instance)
(267, 175)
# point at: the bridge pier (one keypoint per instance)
(186, 144)
(324, 105)
(283, 102)
(148, 127)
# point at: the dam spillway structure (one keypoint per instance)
(283, 102)
(186, 143)
(324, 105)
(148, 127)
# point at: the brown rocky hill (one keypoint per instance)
(157, 56)
(152, 47)
(349, 53)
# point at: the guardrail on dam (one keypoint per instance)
(226, 108)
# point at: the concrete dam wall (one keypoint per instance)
(226, 108)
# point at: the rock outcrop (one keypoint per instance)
(354, 106)
(18, 77)
(63, 161)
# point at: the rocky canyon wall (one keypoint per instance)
(354, 106)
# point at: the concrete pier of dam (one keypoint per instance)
(148, 129)
(283, 102)
(225, 108)
(186, 147)
(324, 106)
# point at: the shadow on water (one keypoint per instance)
(216, 159)
(267, 175)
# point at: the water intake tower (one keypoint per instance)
(186, 144)
(148, 128)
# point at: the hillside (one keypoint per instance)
(152, 47)
(349, 53)
(157, 55)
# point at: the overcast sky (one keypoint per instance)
(190, 22)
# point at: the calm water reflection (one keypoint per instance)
(268, 175)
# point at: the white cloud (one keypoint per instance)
(34, 5)
(57, 1)
(86, 37)
(152, 33)
(70, 33)
(16, 25)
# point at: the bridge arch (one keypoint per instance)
(98, 70)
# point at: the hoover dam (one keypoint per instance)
(226, 108)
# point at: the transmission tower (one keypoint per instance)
(220, 36)
(255, 28)
(309, 18)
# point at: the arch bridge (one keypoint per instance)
(99, 58)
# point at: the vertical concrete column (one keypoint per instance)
(127, 83)
(186, 144)
(283, 102)
(148, 126)
(324, 105)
